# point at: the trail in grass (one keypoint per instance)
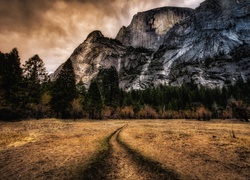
(121, 163)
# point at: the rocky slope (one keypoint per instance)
(98, 52)
(148, 29)
(210, 46)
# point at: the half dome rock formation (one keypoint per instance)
(148, 28)
(209, 46)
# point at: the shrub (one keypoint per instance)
(107, 112)
(203, 113)
(147, 112)
(125, 113)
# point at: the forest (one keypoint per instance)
(27, 92)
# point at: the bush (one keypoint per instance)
(147, 113)
(107, 112)
(203, 113)
(126, 113)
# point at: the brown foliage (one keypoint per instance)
(147, 112)
(107, 112)
(125, 112)
(239, 108)
(203, 113)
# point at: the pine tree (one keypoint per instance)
(10, 85)
(35, 71)
(109, 82)
(35, 75)
(95, 101)
(64, 91)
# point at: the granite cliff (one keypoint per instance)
(209, 45)
(147, 29)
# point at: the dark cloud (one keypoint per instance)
(53, 28)
(21, 15)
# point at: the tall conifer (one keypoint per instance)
(64, 91)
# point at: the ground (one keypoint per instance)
(181, 149)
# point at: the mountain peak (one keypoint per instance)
(147, 29)
(93, 36)
(208, 46)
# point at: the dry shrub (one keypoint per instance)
(126, 112)
(239, 109)
(176, 115)
(227, 114)
(107, 112)
(169, 114)
(77, 109)
(163, 115)
(203, 113)
(188, 114)
(147, 112)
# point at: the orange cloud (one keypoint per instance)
(54, 28)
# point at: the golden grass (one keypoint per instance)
(54, 149)
(195, 150)
(50, 149)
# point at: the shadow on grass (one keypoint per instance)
(148, 164)
(98, 168)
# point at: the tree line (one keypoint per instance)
(27, 92)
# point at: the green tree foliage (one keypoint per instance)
(64, 91)
(81, 90)
(34, 75)
(189, 100)
(34, 70)
(27, 93)
(95, 101)
(11, 90)
(11, 72)
(109, 82)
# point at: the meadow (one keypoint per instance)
(63, 149)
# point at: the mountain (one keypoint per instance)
(98, 52)
(209, 45)
(148, 28)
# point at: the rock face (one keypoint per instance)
(98, 52)
(148, 29)
(209, 46)
(204, 46)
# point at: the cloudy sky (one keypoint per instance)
(54, 28)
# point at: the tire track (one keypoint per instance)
(122, 162)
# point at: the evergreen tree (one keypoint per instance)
(34, 70)
(109, 82)
(10, 85)
(35, 75)
(95, 101)
(64, 91)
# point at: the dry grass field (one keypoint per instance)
(49, 149)
(55, 149)
(194, 149)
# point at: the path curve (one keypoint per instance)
(121, 163)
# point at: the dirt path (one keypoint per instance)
(122, 163)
